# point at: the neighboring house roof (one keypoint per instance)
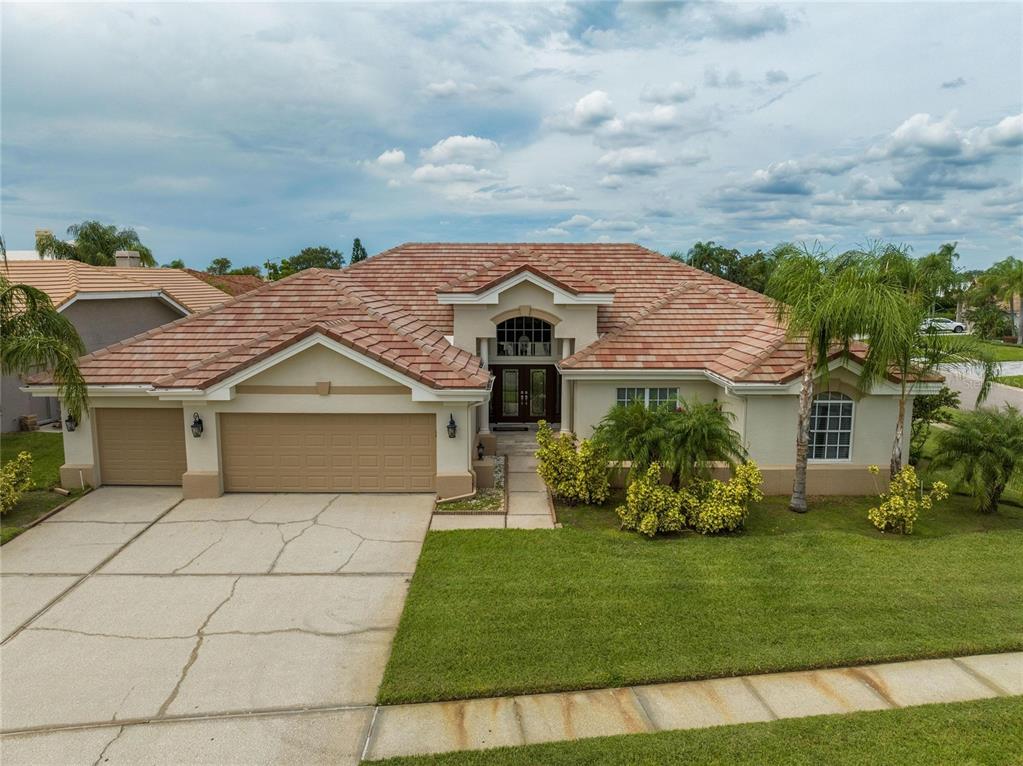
(64, 281)
(232, 284)
(665, 315)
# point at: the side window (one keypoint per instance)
(831, 425)
(629, 395)
(650, 397)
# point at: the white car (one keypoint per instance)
(941, 324)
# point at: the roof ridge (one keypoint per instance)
(485, 267)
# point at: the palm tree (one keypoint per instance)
(697, 435)
(825, 303)
(94, 243)
(1005, 281)
(986, 445)
(35, 337)
(685, 439)
(898, 349)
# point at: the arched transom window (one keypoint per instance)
(831, 425)
(524, 336)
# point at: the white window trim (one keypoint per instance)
(646, 394)
(852, 433)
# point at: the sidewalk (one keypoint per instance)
(438, 727)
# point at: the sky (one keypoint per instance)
(250, 131)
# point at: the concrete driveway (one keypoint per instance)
(139, 628)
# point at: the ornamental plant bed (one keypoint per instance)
(486, 501)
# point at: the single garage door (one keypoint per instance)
(141, 446)
(328, 453)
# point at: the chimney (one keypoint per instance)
(127, 259)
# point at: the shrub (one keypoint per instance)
(650, 506)
(15, 479)
(902, 502)
(574, 474)
(557, 461)
(592, 483)
(723, 506)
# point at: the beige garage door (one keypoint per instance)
(140, 446)
(328, 453)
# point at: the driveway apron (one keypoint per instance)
(245, 629)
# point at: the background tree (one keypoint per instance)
(1004, 281)
(927, 410)
(177, 263)
(219, 266)
(984, 446)
(93, 243)
(34, 337)
(321, 257)
(358, 252)
(752, 271)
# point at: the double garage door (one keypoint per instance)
(276, 452)
(328, 453)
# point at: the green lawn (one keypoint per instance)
(1004, 352)
(501, 612)
(1016, 381)
(47, 456)
(986, 732)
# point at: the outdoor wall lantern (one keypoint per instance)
(480, 449)
(196, 425)
(452, 427)
(70, 423)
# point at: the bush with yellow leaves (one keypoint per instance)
(650, 506)
(902, 502)
(15, 479)
(717, 506)
(574, 473)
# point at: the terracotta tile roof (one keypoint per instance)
(665, 315)
(63, 280)
(204, 349)
(232, 284)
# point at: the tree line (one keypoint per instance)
(96, 243)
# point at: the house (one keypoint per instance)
(105, 304)
(232, 284)
(384, 377)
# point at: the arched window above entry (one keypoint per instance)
(831, 426)
(524, 336)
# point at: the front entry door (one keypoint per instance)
(524, 394)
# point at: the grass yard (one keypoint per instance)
(504, 612)
(47, 456)
(985, 732)
(1004, 352)
(1016, 381)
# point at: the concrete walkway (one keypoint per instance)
(508, 721)
(529, 505)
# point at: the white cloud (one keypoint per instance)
(452, 172)
(634, 160)
(576, 221)
(673, 93)
(552, 231)
(589, 112)
(391, 158)
(602, 224)
(611, 181)
(464, 149)
(443, 89)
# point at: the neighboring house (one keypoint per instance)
(105, 304)
(383, 377)
(232, 284)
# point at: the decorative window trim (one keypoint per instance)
(832, 397)
(660, 395)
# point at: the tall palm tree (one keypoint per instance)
(897, 347)
(986, 445)
(35, 337)
(1005, 281)
(93, 243)
(826, 304)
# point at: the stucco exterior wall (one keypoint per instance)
(290, 387)
(593, 398)
(99, 323)
(472, 322)
(103, 322)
